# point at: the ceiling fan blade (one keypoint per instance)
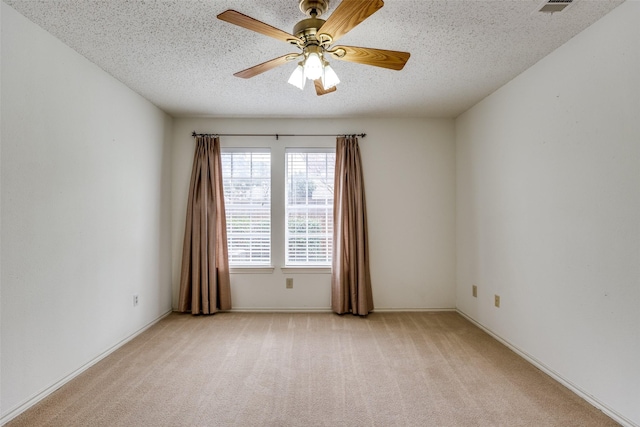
(320, 90)
(347, 15)
(249, 23)
(391, 59)
(265, 66)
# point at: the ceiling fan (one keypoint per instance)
(315, 38)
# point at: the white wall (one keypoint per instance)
(85, 212)
(548, 212)
(409, 168)
(548, 202)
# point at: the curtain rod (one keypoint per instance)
(277, 135)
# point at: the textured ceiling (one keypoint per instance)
(178, 55)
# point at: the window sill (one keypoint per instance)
(305, 270)
(252, 269)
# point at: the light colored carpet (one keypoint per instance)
(282, 369)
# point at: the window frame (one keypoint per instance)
(307, 267)
(252, 267)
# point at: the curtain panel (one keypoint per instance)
(204, 277)
(350, 277)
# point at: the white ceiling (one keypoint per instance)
(178, 55)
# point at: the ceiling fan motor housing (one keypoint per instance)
(307, 29)
(314, 8)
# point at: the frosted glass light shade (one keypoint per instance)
(329, 77)
(313, 66)
(297, 77)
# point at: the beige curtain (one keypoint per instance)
(350, 278)
(204, 279)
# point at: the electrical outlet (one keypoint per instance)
(289, 283)
(135, 300)
(496, 300)
(474, 291)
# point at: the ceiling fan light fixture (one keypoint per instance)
(329, 77)
(313, 66)
(315, 37)
(297, 77)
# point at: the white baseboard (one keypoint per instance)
(280, 310)
(328, 310)
(37, 397)
(409, 310)
(620, 419)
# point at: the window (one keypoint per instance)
(309, 206)
(247, 192)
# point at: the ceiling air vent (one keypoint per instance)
(551, 6)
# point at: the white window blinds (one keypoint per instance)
(309, 206)
(247, 195)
